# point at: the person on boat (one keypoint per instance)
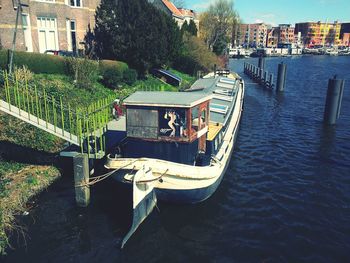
(117, 111)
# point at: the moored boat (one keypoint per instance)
(184, 138)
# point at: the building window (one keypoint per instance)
(75, 3)
(27, 33)
(71, 35)
(47, 30)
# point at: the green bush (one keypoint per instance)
(112, 72)
(111, 78)
(130, 76)
(36, 62)
(84, 71)
(111, 64)
(187, 64)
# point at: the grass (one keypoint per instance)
(187, 80)
(19, 183)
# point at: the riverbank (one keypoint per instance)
(17, 188)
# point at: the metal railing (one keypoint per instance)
(84, 127)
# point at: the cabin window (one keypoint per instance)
(203, 119)
(194, 116)
(172, 123)
(142, 123)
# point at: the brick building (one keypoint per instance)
(318, 33)
(253, 35)
(345, 34)
(282, 34)
(180, 15)
(47, 24)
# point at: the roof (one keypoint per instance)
(166, 99)
(187, 12)
(173, 9)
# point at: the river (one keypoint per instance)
(285, 196)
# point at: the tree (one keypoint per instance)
(184, 27)
(217, 22)
(192, 28)
(195, 56)
(189, 27)
(136, 32)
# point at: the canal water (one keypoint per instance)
(284, 198)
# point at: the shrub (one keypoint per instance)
(111, 64)
(36, 62)
(84, 71)
(130, 76)
(23, 73)
(187, 64)
(111, 78)
(196, 56)
(112, 72)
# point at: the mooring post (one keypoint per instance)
(261, 74)
(271, 80)
(281, 77)
(81, 179)
(265, 77)
(261, 63)
(333, 100)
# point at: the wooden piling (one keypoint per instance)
(281, 77)
(333, 100)
(81, 179)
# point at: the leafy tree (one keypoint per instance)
(184, 27)
(189, 27)
(136, 32)
(195, 56)
(217, 22)
(192, 28)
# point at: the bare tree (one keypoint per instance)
(217, 21)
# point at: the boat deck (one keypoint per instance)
(214, 129)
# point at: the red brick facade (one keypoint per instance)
(53, 24)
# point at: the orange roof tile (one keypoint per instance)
(187, 12)
(172, 8)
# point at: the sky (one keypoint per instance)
(284, 11)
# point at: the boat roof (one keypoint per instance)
(222, 90)
(166, 99)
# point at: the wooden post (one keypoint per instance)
(281, 77)
(81, 179)
(333, 100)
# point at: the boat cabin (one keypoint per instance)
(172, 126)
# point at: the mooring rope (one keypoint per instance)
(97, 179)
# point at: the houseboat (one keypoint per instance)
(182, 141)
